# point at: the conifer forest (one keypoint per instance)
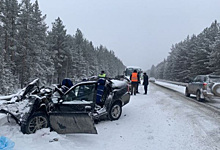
(195, 55)
(29, 50)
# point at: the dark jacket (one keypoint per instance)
(145, 78)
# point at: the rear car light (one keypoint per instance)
(205, 85)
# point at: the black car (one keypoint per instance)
(67, 110)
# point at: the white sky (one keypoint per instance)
(140, 32)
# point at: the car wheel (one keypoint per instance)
(198, 96)
(187, 94)
(115, 111)
(216, 89)
(37, 121)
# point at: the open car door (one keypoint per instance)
(72, 113)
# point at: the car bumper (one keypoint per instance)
(209, 96)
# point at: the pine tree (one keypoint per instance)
(80, 62)
(9, 10)
(8, 18)
(152, 71)
(42, 64)
(25, 45)
(214, 60)
(57, 47)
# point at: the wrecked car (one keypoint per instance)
(67, 109)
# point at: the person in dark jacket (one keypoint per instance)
(145, 83)
(134, 82)
(138, 82)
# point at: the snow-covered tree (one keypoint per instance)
(42, 64)
(193, 56)
(215, 56)
(8, 19)
(57, 47)
(80, 62)
(152, 71)
(25, 45)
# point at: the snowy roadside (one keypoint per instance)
(178, 88)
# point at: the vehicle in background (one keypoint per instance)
(205, 87)
(66, 110)
(151, 79)
(130, 69)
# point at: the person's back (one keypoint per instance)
(145, 78)
(145, 83)
(134, 82)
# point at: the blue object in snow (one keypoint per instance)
(6, 144)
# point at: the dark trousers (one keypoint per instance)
(137, 88)
(145, 88)
(134, 88)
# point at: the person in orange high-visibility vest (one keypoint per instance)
(134, 82)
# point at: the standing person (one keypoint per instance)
(134, 82)
(102, 74)
(139, 81)
(145, 83)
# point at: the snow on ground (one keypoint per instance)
(157, 121)
(178, 88)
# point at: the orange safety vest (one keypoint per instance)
(134, 77)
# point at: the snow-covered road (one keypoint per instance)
(161, 120)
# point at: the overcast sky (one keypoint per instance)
(140, 32)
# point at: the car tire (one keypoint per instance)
(115, 111)
(35, 122)
(187, 94)
(198, 96)
(216, 89)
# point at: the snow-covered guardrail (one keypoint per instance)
(174, 82)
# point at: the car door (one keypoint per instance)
(72, 112)
(190, 86)
(196, 84)
(193, 85)
(199, 83)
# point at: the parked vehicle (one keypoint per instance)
(205, 87)
(66, 110)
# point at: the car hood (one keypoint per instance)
(18, 109)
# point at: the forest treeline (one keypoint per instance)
(196, 55)
(28, 50)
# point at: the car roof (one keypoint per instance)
(214, 76)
